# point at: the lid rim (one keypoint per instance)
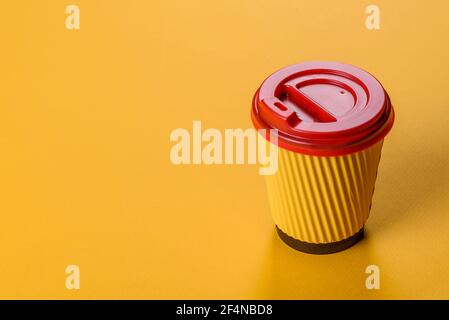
(332, 150)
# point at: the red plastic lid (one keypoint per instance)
(323, 108)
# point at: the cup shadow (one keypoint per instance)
(410, 176)
(290, 274)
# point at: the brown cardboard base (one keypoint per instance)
(320, 248)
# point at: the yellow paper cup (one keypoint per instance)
(331, 120)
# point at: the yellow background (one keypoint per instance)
(85, 119)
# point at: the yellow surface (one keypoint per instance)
(84, 132)
(323, 199)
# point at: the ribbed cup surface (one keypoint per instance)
(323, 199)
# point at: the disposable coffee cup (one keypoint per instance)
(331, 120)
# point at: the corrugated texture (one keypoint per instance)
(323, 199)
